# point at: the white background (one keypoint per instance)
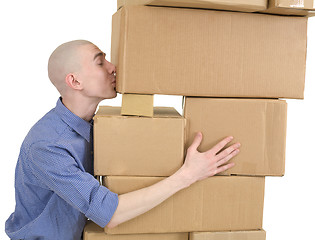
(31, 30)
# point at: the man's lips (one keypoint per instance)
(114, 78)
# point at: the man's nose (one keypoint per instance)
(111, 68)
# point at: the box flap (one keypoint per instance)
(159, 112)
(231, 5)
(233, 235)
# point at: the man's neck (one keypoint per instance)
(82, 107)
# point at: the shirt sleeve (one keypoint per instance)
(56, 169)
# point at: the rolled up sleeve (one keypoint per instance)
(57, 170)
(102, 206)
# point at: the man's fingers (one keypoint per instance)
(224, 168)
(220, 145)
(227, 151)
(196, 142)
(227, 158)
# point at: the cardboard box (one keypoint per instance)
(291, 7)
(137, 105)
(138, 146)
(258, 124)
(194, 52)
(238, 235)
(94, 232)
(217, 203)
(232, 5)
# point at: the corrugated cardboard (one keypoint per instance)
(291, 7)
(94, 232)
(138, 146)
(233, 5)
(258, 124)
(194, 52)
(239, 235)
(137, 105)
(217, 203)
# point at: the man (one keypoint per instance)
(55, 188)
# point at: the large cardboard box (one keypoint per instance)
(220, 203)
(258, 124)
(233, 5)
(291, 7)
(94, 232)
(138, 146)
(194, 52)
(235, 235)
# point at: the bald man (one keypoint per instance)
(54, 184)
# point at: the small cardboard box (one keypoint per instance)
(138, 146)
(232, 5)
(220, 203)
(291, 7)
(94, 232)
(195, 52)
(137, 105)
(258, 124)
(235, 235)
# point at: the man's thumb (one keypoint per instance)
(197, 141)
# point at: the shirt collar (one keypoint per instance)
(79, 125)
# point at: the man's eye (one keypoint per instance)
(101, 63)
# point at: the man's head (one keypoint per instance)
(80, 68)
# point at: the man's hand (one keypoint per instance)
(200, 165)
(197, 166)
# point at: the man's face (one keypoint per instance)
(96, 73)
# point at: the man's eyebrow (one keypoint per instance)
(99, 54)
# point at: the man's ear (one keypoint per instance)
(72, 82)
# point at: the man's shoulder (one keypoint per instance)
(48, 129)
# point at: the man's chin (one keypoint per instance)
(112, 95)
(115, 93)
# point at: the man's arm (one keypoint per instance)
(52, 168)
(197, 166)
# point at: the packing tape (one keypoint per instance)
(302, 3)
(297, 3)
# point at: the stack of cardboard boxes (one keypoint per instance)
(232, 67)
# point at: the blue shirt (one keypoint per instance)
(55, 190)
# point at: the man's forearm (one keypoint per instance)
(135, 203)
